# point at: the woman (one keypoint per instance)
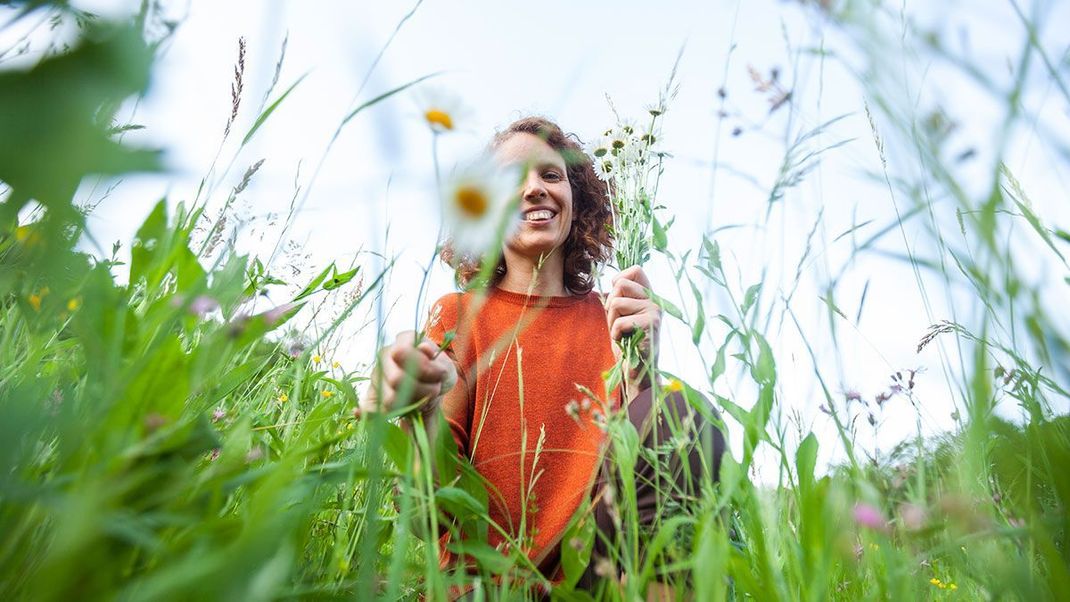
(522, 383)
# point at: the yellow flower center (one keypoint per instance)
(472, 201)
(440, 118)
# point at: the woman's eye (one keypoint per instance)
(552, 175)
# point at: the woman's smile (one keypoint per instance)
(537, 217)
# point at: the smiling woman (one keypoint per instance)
(521, 382)
(557, 174)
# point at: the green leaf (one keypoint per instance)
(314, 285)
(338, 280)
(719, 362)
(806, 460)
(750, 297)
(271, 109)
(386, 95)
(149, 242)
(661, 238)
(764, 370)
(459, 503)
(490, 559)
(700, 316)
(666, 305)
(52, 125)
(713, 255)
(577, 544)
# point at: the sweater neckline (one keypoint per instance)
(536, 300)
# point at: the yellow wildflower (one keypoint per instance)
(327, 394)
(316, 359)
(283, 398)
(74, 304)
(28, 235)
(675, 385)
(935, 581)
(952, 586)
(35, 298)
(336, 365)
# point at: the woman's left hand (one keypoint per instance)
(629, 308)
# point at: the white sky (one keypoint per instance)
(508, 59)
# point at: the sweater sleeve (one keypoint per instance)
(444, 320)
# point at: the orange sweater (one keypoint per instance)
(549, 345)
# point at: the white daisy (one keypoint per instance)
(598, 148)
(604, 168)
(443, 111)
(656, 109)
(478, 205)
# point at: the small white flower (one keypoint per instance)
(441, 110)
(478, 201)
(627, 129)
(598, 148)
(603, 168)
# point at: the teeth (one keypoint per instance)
(538, 215)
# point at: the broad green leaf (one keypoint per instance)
(666, 305)
(764, 369)
(577, 544)
(660, 238)
(51, 123)
(338, 280)
(314, 285)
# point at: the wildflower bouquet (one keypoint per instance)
(626, 158)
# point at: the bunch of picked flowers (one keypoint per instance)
(628, 159)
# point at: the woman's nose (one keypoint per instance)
(533, 188)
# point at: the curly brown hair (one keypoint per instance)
(590, 240)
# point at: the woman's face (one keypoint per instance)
(545, 195)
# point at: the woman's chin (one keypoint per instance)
(532, 247)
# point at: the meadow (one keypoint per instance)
(166, 437)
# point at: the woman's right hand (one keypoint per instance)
(430, 373)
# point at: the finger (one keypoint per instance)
(397, 379)
(429, 348)
(618, 307)
(635, 274)
(628, 324)
(417, 361)
(629, 288)
(406, 338)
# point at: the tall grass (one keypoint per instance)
(165, 441)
